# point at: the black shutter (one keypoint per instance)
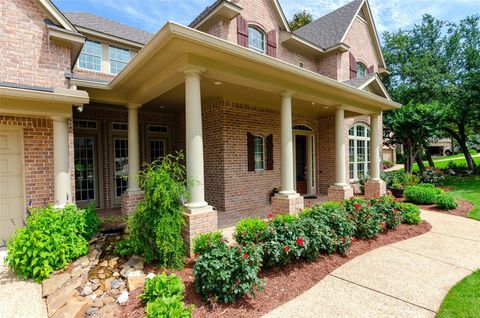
(250, 152)
(270, 152)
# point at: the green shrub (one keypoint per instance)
(445, 202)
(224, 274)
(168, 307)
(410, 213)
(422, 194)
(250, 230)
(50, 240)
(155, 229)
(386, 206)
(368, 222)
(92, 222)
(162, 286)
(334, 217)
(317, 239)
(399, 179)
(432, 176)
(207, 241)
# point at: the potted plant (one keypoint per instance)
(397, 189)
(397, 181)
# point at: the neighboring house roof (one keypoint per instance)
(330, 29)
(106, 26)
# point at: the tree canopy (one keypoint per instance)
(300, 19)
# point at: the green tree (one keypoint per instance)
(300, 19)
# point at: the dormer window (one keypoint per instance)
(256, 39)
(91, 56)
(119, 58)
(361, 69)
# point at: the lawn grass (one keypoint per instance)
(466, 188)
(442, 162)
(463, 300)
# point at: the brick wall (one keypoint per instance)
(27, 56)
(81, 73)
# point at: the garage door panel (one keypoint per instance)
(10, 187)
(10, 141)
(10, 164)
(7, 228)
(11, 208)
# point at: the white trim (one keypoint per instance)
(355, 138)
(60, 95)
(56, 14)
(263, 153)
(380, 84)
(108, 37)
(281, 15)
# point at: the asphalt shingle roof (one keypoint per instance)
(205, 12)
(106, 26)
(328, 30)
(359, 81)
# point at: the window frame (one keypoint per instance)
(354, 142)
(91, 54)
(110, 59)
(361, 68)
(263, 39)
(255, 152)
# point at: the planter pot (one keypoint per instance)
(397, 193)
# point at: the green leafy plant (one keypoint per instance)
(168, 307)
(422, 194)
(206, 241)
(445, 202)
(410, 213)
(50, 239)
(224, 274)
(250, 230)
(92, 222)
(432, 176)
(368, 221)
(399, 179)
(162, 286)
(388, 207)
(155, 229)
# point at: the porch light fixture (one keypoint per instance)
(313, 103)
(217, 83)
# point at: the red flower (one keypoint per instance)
(395, 210)
(300, 241)
(197, 254)
(357, 206)
(354, 239)
(342, 239)
(375, 195)
(245, 255)
(368, 204)
(270, 215)
(309, 202)
(286, 248)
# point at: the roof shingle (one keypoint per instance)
(328, 30)
(106, 26)
(359, 81)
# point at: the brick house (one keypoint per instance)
(84, 101)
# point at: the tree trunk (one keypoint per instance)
(408, 164)
(461, 138)
(418, 159)
(430, 160)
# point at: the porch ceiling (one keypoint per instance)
(154, 77)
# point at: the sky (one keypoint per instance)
(151, 15)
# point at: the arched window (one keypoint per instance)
(302, 127)
(361, 69)
(256, 39)
(359, 150)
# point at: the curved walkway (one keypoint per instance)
(405, 279)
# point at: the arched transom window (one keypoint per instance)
(256, 39)
(361, 69)
(359, 150)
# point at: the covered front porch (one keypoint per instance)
(241, 113)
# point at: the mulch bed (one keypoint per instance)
(463, 209)
(282, 284)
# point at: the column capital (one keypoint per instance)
(133, 106)
(287, 93)
(375, 115)
(59, 118)
(192, 70)
(340, 107)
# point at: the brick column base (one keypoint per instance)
(375, 188)
(129, 201)
(340, 193)
(287, 204)
(198, 221)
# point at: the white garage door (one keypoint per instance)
(11, 182)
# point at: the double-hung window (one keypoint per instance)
(119, 58)
(91, 56)
(256, 39)
(259, 152)
(359, 151)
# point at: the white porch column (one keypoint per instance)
(61, 162)
(133, 148)
(375, 147)
(340, 175)
(194, 138)
(286, 136)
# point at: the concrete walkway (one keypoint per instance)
(19, 298)
(404, 279)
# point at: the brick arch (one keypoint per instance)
(257, 25)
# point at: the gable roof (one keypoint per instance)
(56, 14)
(371, 80)
(109, 27)
(330, 29)
(210, 8)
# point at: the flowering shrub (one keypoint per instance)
(369, 222)
(410, 213)
(250, 230)
(50, 239)
(445, 202)
(422, 194)
(225, 274)
(388, 207)
(206, 241)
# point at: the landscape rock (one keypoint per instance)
(135, 261)
(74, 308)
(115, 284)
(126, 270)
(81, 260)
(79, 271)
(58, 299)
(108, 300)
(151, 275)
(54, 282)
(87, 290)
(91, 311)
(98, 303)
(104, 264)
(136, 280)
(116, 274)
(122, 299)
(114, 292)
(94, 254)
(113, 262)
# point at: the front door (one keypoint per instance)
(301, 163)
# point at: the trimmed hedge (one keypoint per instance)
(445, 202)
(422, 194)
